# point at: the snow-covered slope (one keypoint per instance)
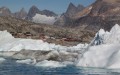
(9, 43)
(104, 50)
(38, 18)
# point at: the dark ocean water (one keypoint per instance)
(9, 67)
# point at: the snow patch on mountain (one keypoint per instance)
(38, 18)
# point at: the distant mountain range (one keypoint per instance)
(34, 15)
(38, 16)
(101, 14)
(78, 22)
(66, 18)
(41, 16)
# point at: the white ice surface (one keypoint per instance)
(2, 59)
(9, 43)
(106, 53)
(38, 18)
(51, 64)
(26, 61)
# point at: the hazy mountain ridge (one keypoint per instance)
(34, 10)
(4, 11)
(66, 19)
(101, 14)
(23, 14)
(53, 34)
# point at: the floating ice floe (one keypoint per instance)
(26, 61)
(50, 64)
(2, 59)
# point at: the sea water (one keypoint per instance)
(10, 67)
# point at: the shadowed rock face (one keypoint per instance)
(104, 14)
(66, 19)
(34, 10)
(48, 13)
(101, 14)
(21, 14)
(72, 9)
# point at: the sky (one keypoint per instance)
(57, 6)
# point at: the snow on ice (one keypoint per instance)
(9, 43)
(104, 50)
(50, 64)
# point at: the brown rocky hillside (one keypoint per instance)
(52, 34)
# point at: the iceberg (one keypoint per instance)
(105, 37)
(103, 51)
(9, 43)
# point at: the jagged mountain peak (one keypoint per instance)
(23, 9)
(48, 13)
(34, 9)
(4, 11)
(32, 12)
(66, 18)
(40, 16)
(80, 7)
(104, 14)
(21, 14)
(4, 8)
(72, 9)
(71, 5)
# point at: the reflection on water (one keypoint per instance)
(9, 67)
